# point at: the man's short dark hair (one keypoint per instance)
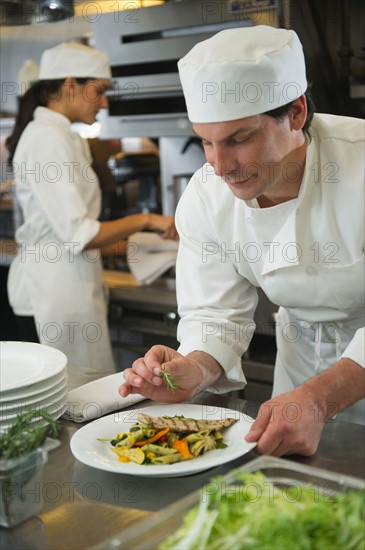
(281, 112)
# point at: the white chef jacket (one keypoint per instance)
(52, 278)
(307, 255)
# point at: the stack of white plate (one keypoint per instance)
(33, 376)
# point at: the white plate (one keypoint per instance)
(34, 390)
(33, 397)
(6, 413)
(55, 409)
(25, 363)
(86, 447)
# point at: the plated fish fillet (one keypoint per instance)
(185, 424)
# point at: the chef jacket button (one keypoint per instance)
(311, 271)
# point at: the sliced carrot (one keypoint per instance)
(181, 445)
(154, 438)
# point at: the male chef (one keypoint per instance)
(279, 205)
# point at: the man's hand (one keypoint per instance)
(290, 423)
(192, 374)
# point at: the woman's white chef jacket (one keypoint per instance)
(306, 254)
(52, 278)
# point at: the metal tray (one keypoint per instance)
(150, 533)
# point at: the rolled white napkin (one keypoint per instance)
(98, 398)
(149, 256)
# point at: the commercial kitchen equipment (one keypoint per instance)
(144, 47)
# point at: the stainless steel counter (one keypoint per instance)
(84, 506)
(123, 287)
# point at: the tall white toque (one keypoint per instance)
(242, 72)
(73, 59)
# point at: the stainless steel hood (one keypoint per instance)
(144, 46)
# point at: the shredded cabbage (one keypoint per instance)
(253, 513)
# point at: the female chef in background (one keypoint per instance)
(55, 282)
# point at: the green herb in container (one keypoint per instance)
(22, 458)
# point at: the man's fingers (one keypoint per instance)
(254, 434)
(143, 372)
(124, 390)
(269, 444)
(267, 441)
(260, 424)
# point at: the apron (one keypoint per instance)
(70, 311)
(69, 304)
(315, 346)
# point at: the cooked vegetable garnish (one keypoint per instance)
(154, 438)
(134, 455)
(253, 513)
(168, 439)
(181, 445)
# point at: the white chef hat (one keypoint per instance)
(73, 59)
(242, 72)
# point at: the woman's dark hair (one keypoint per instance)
(281, 112)
(38, 95)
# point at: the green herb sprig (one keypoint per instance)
(170, 382)
(23, 436)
